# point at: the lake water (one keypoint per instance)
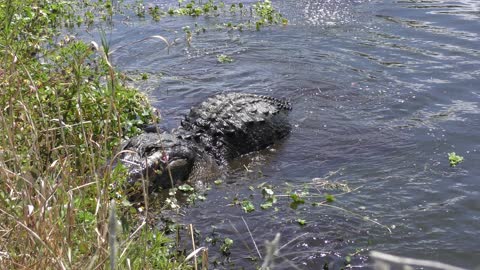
(381, 92)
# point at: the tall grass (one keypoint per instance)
(63, 112)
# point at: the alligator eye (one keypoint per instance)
(218, 133)
(149, 150)
(197, 137)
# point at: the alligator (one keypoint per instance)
(223, 127)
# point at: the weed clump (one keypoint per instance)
(63, 112)
(454, 159)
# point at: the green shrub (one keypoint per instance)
(63, 112)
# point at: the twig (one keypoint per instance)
(271, 252)
(193, 246)
(81, 186)
(238, 232)
(359, 216)
(131, 237)
(205, 259)
(289, 242)
(194, 253)
(141, 40)
(251, 236)
(112, 234)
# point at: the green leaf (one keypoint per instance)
(126, 203)
(270, 198)
(186, 188)
(247, 206)
(218, 182)
(267, 192)
(302, 222)
(329, 198)
(266, 205)
(348, 259)
(454, 159)
(222, 58)
(261, 185)
(297, 198)
(227, 244)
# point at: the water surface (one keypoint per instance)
(381, 91)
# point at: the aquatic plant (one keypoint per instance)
(454, 159)
(262, 13)
(320, 192)
(64, 111)
(247, 206)
(227, 244)
(267, 15)
(301, 222)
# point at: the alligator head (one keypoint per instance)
(161, 159)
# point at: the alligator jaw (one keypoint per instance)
(161, 159)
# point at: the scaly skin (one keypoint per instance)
(220, 129)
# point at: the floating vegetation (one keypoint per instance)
(222, 58)
(225, 248)
(301, 222)
(267, 15)
(260, 14)
(247, 206)
(269, 197)
(454, 159)
(320, 192)
(297, 199)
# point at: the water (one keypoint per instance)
(381, 90)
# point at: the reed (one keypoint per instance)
(63, 112)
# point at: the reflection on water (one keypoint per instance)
(381, 90)
(328, 13)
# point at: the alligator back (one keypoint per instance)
(230, 125)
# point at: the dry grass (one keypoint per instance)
(63, 111)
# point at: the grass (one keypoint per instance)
(64, 111)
